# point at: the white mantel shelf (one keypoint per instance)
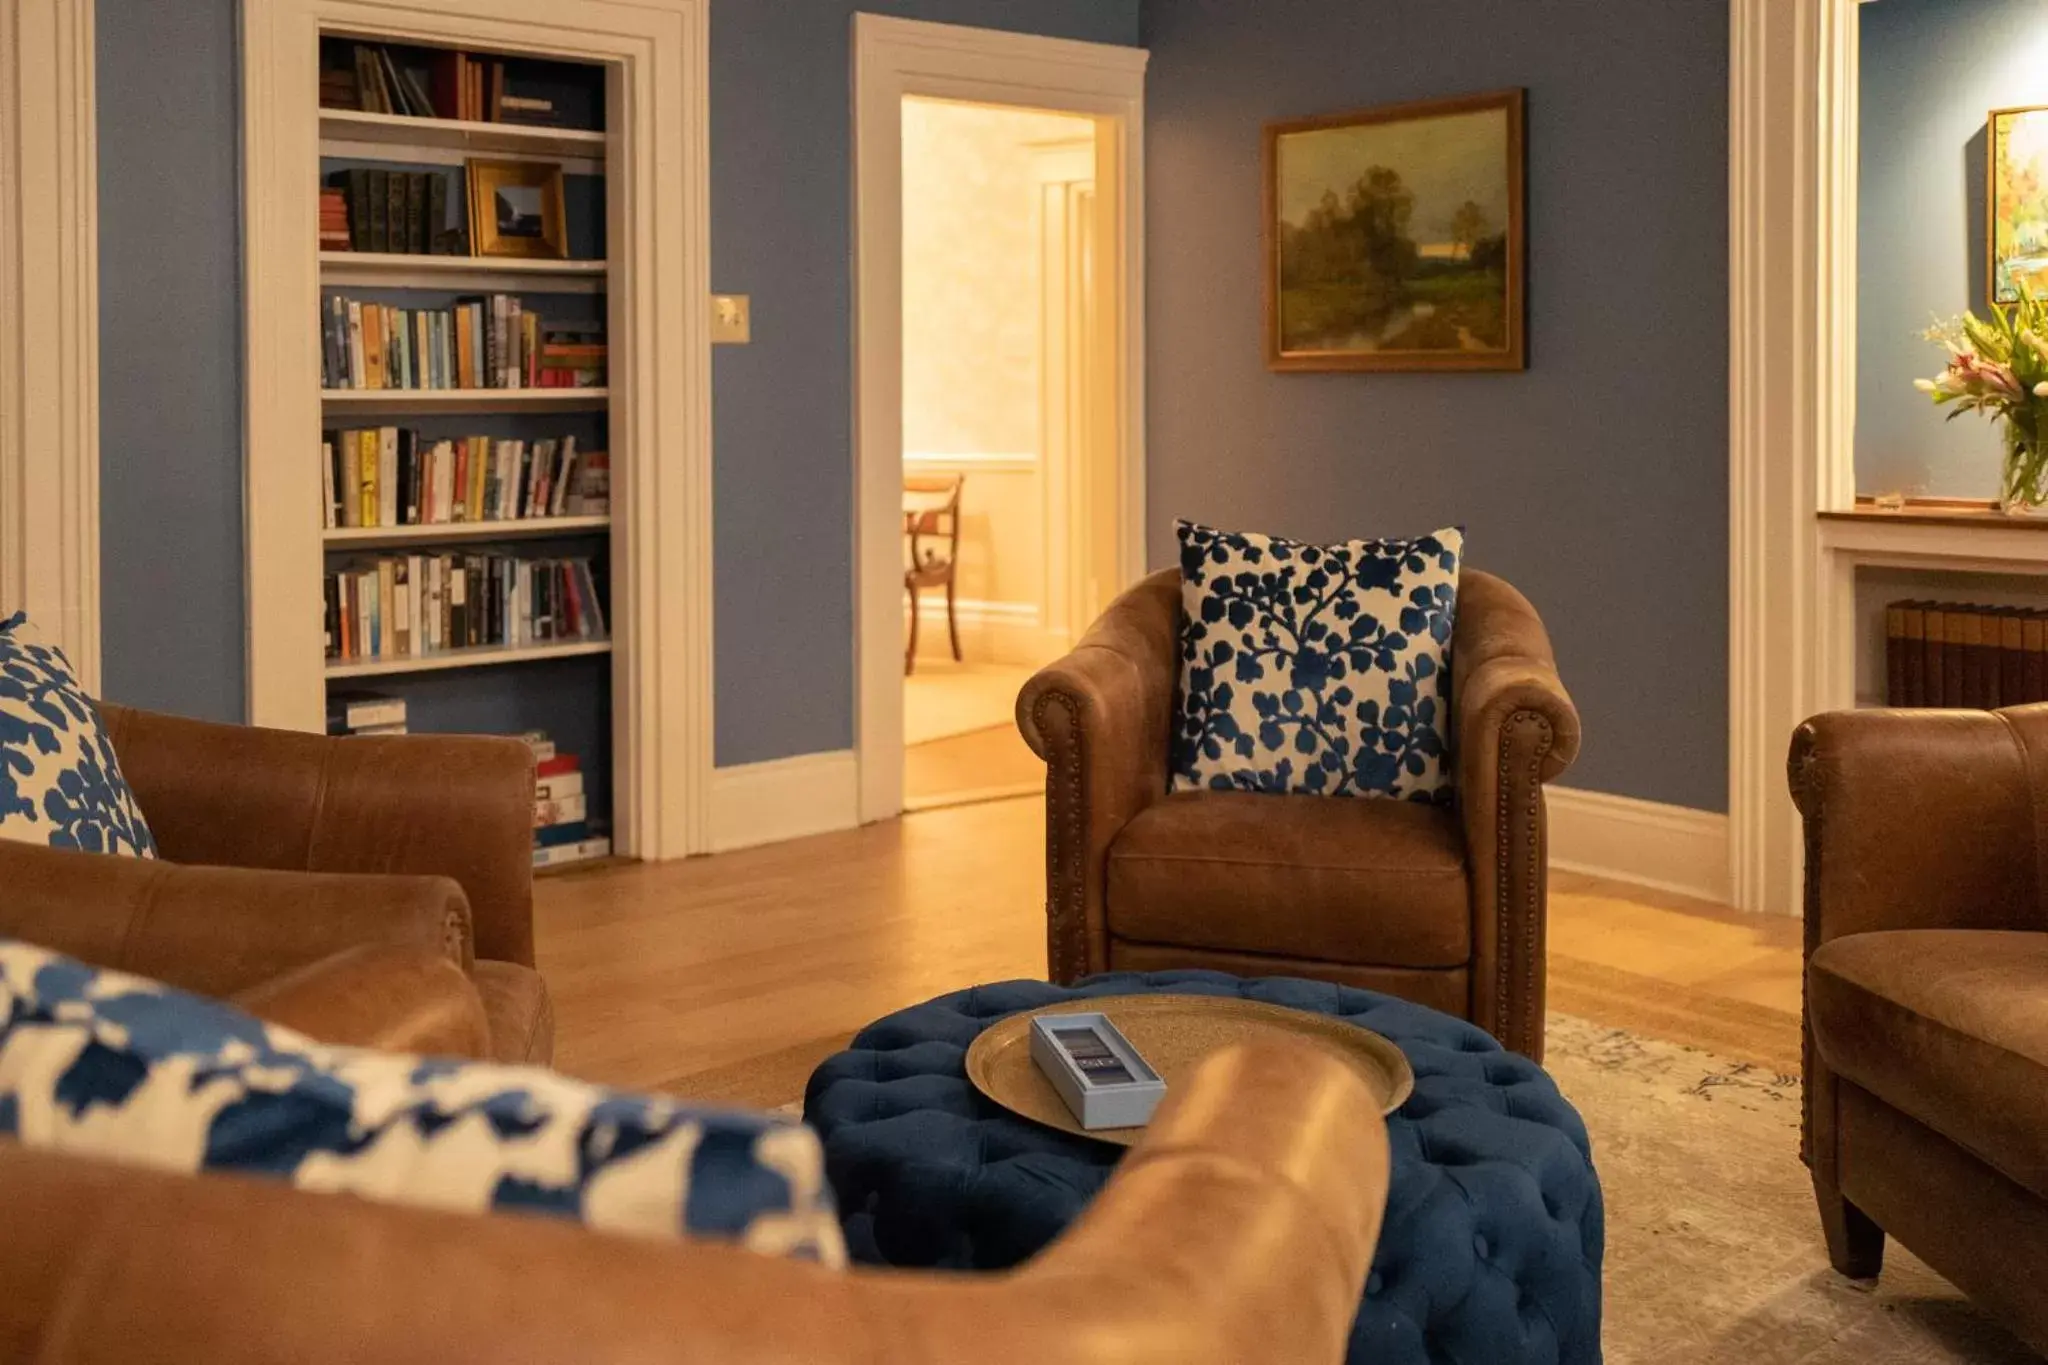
(1954, 539)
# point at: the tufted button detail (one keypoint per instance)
(929, 1174)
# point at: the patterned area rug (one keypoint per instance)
(1714, 1251)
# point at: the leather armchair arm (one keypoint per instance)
(1921, 819)
(217, 930)
(1513, 729)
(434, 805)
(1240, 1229)
(393, 998)
(1101, 718)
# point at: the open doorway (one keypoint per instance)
(999, 434)
(997, 313)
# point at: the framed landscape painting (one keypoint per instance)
(2017, 216)
(1395, 238)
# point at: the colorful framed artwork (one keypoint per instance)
(515, 209)
(2016, 216)
(1395, 238)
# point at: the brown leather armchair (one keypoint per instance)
(1443, 906)
(279, 849)
(1240, 1229)
(1926, 1015)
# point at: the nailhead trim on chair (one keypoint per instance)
(1520, 1037)
(1064, 828)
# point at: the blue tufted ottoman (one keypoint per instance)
(1490, 1253)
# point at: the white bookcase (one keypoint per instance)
(650, 284)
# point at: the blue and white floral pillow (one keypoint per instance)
(123, 1069)
(1315, 668)
(60, 784)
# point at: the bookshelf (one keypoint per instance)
(629, 689)
(483, 656)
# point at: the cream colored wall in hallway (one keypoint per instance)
(971, 398)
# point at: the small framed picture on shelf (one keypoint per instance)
(515, 209)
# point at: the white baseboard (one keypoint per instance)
(990, 631)
(1670, 848)
(784, 798)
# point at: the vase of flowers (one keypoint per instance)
(1999, 367)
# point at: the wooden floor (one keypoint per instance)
(729, 978)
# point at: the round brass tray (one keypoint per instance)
(1174, 1032)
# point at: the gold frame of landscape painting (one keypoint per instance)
(549, 239)
(1395, 237)
(2015, 204)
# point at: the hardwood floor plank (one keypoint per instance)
(729, 978)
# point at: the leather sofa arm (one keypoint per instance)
(1240, 1229)
(392, 998)
(1101, 718)
(1921, 819)
(217, 930)
(1514, 728)
(434, 805)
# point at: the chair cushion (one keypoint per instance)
(1315, 668)
(102, 1064)
(60, 783)
(1371, 883)
(1949, 1026)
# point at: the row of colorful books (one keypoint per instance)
(395, 476)
(373, 209)
(562, 830)
(1954, 654)
(492, 342)
(411, 606)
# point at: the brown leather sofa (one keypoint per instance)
(279, 849)
(1443, 906)
(1927, 994)
(1240, 1229)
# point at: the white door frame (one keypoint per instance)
(1079, 545)
(50, 327)
(895, 58)
(1792, 368)
(658, 114)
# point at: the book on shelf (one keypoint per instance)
(555, 765)
(478, 342)
(1950, 654)
(400, 212)
(381, 78)
(397, 476)
(559, 786)
(538, 741)
(365, 713)
(418, 606)
(598, 846)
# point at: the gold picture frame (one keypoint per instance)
(515, 209)
(1396, 238)
(2016, 203)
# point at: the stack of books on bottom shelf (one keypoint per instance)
(1958, 654)
(365, 713)
(562, 833)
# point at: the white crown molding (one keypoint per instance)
(1792, 336)
(898, 58)
(658, 114)
(49, 326)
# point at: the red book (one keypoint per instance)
(444, 84)
(556, 766)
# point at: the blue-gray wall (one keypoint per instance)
(1932, 70)
(170, 356)
(781, 230)
(1596, 481)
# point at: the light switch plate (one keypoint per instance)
(732, 319)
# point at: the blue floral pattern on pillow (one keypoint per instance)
(1321, 669)
(60, 784)
(124, 1069)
